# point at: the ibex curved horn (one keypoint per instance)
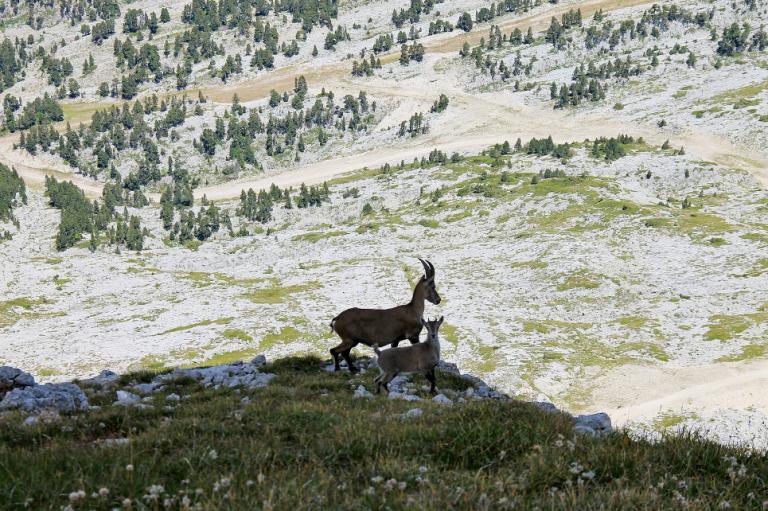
(431, 269)
(427, 268)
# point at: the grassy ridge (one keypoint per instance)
(305, 443)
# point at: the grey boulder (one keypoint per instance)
(62, 397)
(103, 379)
(596, 424)
(13, 378)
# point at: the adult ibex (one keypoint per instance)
(384, 326)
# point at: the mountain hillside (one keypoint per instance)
(314, 439)
(196, 182)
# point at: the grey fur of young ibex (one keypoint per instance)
(418, 358)
(384, 326)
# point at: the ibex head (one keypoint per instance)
(429, 282)
(432, 326)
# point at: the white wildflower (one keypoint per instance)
(76, 496)
(402, 485)
(423, 469)
(103, 493)
(249, 482)
(588, 475)
(129, 468)
(260, 478)
(370, 491)
(376, 479)
(156, 489)
(725, 505)
(127, 503)
(212, 454)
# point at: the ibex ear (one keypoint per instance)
(440, 321)
(423, 323)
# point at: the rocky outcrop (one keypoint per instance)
(596, 424)
(103, 379)
(239, 374)
(12, 378)
(53, 398)
(24, 395)
(401, 387)
(62, 397)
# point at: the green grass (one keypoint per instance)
(277, 293)
(450, 333)
(736, 96)
(205, 279)
(748, 352)
(429, 223)
(724, 327)
(230, 357)
(15, 309)
(285, 335)
(313, 237)
(633, 322)
(236, 333)
(305, 443)
(207, 322)
(578, 281)
(665, 421)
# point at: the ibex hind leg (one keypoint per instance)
(339, 350)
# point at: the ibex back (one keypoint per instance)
(384, 326)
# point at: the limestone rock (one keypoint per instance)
(232, 375)
(403, 396)
(412, 413)
(361, 391)
(62, 397)
(125, 398)
(106, 378)
(13, 378)
(596, 424)
(442, 399)
(449, 367)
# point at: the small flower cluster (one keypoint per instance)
(582, 475)
(563, 442)
(736, 469)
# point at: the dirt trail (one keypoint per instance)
(476, 121)
(633, 393)
(473, 122)
(33, 170)
(282, 79)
